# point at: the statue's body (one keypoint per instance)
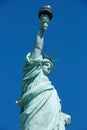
(40, 104)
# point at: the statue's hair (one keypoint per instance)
(47, 57)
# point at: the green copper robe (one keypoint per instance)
(40, 104)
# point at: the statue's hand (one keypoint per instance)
(44, 22)
(44, 26)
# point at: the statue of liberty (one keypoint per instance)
(39, 102)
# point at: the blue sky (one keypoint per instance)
(65, 39)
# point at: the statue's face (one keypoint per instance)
(44, 22)
(46, 66)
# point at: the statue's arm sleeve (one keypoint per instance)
(30, 61)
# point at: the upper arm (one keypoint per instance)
(35, 53)
(30, 60)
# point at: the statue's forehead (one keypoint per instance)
(45, 60)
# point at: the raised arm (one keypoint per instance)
(38, 45)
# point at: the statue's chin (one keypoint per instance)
(46, 73)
